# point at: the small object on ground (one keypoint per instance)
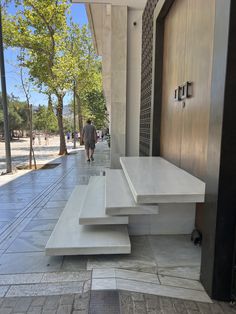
(196, 237)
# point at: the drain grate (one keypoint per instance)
(38, 167)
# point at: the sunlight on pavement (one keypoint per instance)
(44, 153)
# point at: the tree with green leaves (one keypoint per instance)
(59, 56)
(40, 27)
(97, 108)
(17, 112)
(88, 79)
(45, 120)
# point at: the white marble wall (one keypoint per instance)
(106, 55)
(118, 41)
(172, 219)
(118, 83)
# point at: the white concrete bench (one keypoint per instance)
(155, 180)
(146, 180)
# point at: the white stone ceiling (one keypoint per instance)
(138, 4)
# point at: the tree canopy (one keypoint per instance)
(59, 56)
(45, 120)
(17, 114)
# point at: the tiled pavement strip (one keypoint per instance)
(30, 282)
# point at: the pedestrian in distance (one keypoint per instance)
(89, 137)
(68, 136)
(46, 139)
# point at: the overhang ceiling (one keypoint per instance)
(136, 4)
(95, 18)
(95, 11)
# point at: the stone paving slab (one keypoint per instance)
(44, 289)
(162, 290)
(33, 278)
(126, 302)
(64, 304)
(40, 225)
(105, 302)
(13, 263)
(57, 283)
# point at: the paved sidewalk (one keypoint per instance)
(44, 152)
(61, 304)
(30, 282)
(31, 203)
(109, 302)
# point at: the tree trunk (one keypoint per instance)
(63, 149)
(50, 106)
(80, 118)
(31, 135)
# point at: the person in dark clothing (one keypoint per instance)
(89, 137)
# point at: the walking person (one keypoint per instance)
(68, 136)
(46, 139)
(89, 137)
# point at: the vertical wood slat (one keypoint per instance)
(198, 69)
(173, 75)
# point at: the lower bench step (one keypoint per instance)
(93, 209)
(70, 238)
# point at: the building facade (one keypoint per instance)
(117, 33)
(169, 80)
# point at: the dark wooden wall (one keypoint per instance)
(206, 145)
(188, 48)
(173, 75)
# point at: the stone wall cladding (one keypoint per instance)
(146, 77)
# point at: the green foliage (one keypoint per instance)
(68, 124)
(57, 55)
(15, 120)
(44, 119)
(88, 72)
(97, 108)
(88, 79)
(18, 114)
(40, 28)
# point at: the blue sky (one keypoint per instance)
(79, 16)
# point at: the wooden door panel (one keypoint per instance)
(173, 75)
(198, 69)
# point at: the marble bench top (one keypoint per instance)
(155, 180)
